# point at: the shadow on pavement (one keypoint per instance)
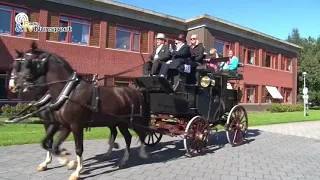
(163, 152)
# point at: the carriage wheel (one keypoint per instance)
(196, 136)
(237, 125)
(152, 138)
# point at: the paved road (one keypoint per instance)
(266, 155)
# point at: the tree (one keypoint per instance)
(308, 61)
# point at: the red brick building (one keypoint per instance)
(108, 37)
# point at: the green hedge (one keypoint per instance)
(9, 111)
(274, 108)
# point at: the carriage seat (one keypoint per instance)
(233, 75)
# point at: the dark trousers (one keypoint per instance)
(152, 67)
(164, 69)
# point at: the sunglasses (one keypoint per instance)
(193, 38)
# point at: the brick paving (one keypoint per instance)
(266, 155)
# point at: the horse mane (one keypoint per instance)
(60, 59)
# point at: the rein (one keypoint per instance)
(109, 76)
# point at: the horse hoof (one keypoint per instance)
(63, 161)
(72, 165)
(116, 145)
(144, 156)
(74, 178)
(41, 168)
(64, 152)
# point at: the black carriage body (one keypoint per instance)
(164, 100)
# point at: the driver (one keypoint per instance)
(179, 56)
(160, 55)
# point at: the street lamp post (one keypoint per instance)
(305, 94)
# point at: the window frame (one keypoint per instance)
(272, 60)
(114, 80)
(245, 55)
(286, 60)
(255, 89)
(12, 18)
(132, 33)
(69, 21)
(285, 92)
(226, 43)
(7, 77)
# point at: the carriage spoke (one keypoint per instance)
(237, 126)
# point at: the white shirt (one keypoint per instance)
(157, 51)
(178, 47)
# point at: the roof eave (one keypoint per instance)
(239, 27)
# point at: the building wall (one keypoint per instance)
(255, 75)
(101, 57)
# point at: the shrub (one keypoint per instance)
(274, 108)
(9, 111)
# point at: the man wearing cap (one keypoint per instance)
(160, 55)
(179, 56)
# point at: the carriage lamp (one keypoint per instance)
(205, 81)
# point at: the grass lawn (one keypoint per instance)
(13, 134)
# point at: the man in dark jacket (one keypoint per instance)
(179, 56)
(160, 55)
(197, 49)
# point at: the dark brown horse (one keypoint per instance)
(72, 99)
(42, 98)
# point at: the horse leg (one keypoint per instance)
(142, 132)
(128, 137)
(112, 144)
(47, 114)
(78, 139)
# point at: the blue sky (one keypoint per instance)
(274, 17)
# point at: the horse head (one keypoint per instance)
(34, 64)
(25, 69)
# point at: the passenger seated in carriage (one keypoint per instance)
(231, 65)
(180, 56)
(160, 55)
(196, 50)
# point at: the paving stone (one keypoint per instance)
(269, 155)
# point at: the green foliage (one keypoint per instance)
(314, 97)
(308, 61)
(277, 108)
(9, 111)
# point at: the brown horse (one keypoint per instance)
(42, 98)
(72, 99)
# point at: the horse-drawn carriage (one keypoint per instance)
(194, 111)
(174, 106)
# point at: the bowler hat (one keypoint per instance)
(181, 37)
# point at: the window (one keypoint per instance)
(283, 63)
(287, 96)
(80, 31)
(249, 56)
(3, 85)
(7, 20)
(128, 39)
(222, 47)
(251, 94)
(288, 63)
(16, 95)
(123, 82)
(270, 61)
(87, 77)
